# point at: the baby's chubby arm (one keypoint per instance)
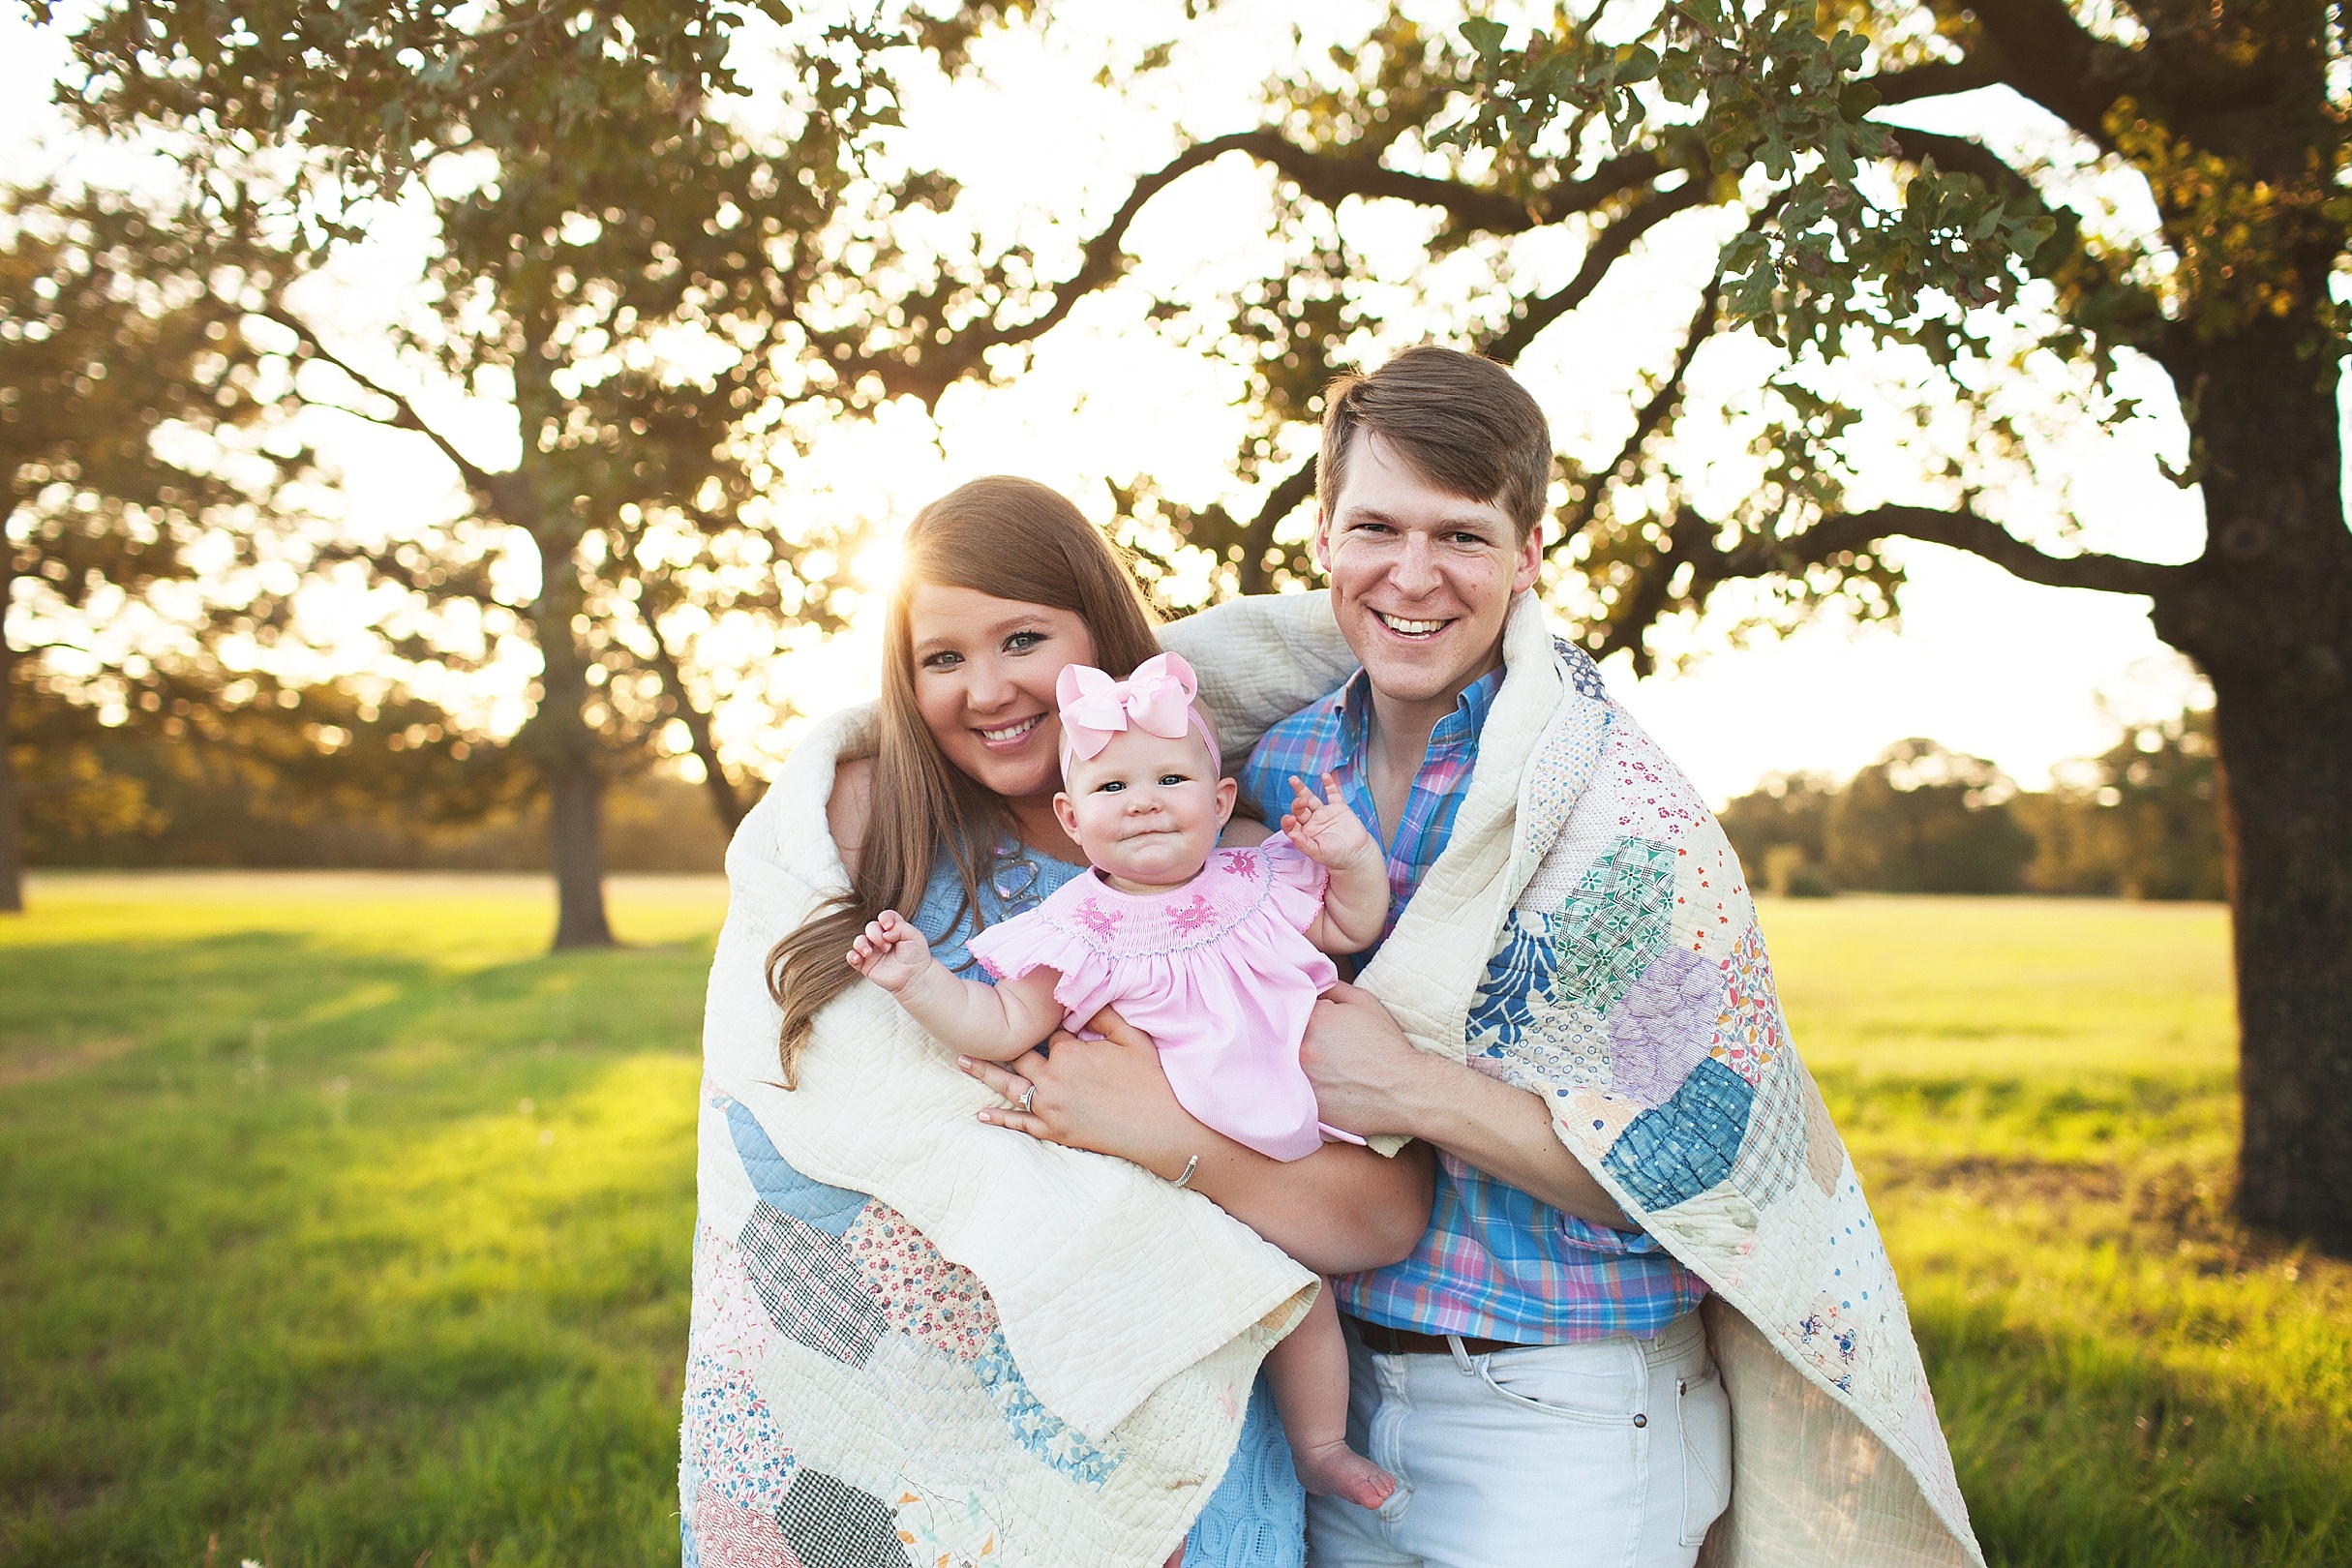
(1355, 903)
(994, 1022)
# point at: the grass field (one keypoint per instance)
(339, 1224)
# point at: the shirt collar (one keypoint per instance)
(1458, 729)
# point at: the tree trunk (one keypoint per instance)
(2267, 612)
(2287, 785)
(558, 738)
(567, 751)
(12, 793)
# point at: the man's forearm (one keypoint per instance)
(1507, 1132)
(1369, 1078)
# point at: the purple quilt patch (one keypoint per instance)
(1659, 1030)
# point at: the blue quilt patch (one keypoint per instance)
(829, 1208)
(1521, 970)
(1038, 1429)
(1686, 1145)
(1582, 672)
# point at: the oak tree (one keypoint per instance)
(1798, 139)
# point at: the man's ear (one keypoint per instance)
(1227, 792)
(1066, 814)
(1531, 559)
(1321, 543)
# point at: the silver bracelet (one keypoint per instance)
(1190, 1166)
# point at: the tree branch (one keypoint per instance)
(1258, 537)
(434, 583)
(928, 371)
(1530, 318)
(406, 417)
(1961, 156)
(1653, 416)
(2037, 48)
(1331, 179)
(723, 798)
(1934, 79)
(1959, 529)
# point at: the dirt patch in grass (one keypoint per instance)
(1996, 1181)
(34, 1064)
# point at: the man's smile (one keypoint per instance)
(1403, 626)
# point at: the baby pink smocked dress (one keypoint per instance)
(1217, 971)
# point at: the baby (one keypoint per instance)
(1216, 955)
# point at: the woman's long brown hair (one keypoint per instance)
(1010, 539)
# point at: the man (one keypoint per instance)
(1514, 1371)
(1634, 1130)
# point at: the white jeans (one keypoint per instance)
(1613, 1452)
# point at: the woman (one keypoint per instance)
(1004, 583)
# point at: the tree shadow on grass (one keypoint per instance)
(385, 1253)
(2127, 1374)
(2075, 1450)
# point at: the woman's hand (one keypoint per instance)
(1341, 1209)
(1109, 1095)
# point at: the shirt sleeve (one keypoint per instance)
(1299, 884)
(1012, 948)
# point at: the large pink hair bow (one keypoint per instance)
(1157, 699)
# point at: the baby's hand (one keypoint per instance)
(889, 951)
(1325, 831)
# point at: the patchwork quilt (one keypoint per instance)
(1587, 936)
(917, 1340)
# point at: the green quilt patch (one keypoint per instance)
(1615, 923)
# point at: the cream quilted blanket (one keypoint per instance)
(917, 1337)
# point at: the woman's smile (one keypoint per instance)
(1009, 736)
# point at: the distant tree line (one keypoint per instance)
(386, 794)
(2139, 822)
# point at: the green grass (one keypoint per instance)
(2042, 1097)
(338, 1222)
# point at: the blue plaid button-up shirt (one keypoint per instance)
(1494, 1262)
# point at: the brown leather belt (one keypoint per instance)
(1397, 1341)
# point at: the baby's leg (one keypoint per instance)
(1309, 1372)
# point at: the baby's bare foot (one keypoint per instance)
(1337, 1470)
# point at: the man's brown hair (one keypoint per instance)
(1461, 422)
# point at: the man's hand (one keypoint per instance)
(1367, 1075)
(1369, 1078)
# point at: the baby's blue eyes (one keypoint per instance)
(1113, 786)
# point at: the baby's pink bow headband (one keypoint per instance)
(1157, 699)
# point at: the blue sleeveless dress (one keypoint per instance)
(1256, 1518)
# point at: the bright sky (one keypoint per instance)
(2028, 676)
